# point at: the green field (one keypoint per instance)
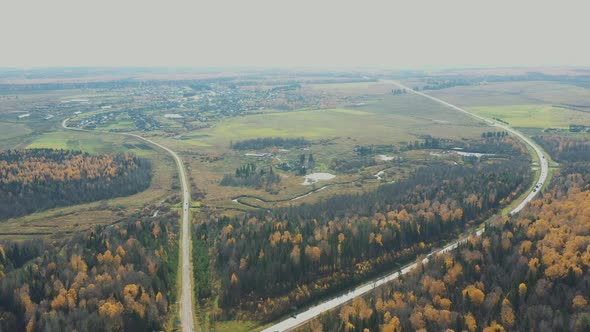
(91, 142)
(388, 121)
(534, 116)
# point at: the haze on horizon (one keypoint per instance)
(263, 33)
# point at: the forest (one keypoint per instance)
(528, 272)
(38, 179)
(266, 142)
(271, 261)
(116, 278)
(565, 148)
(249, 176)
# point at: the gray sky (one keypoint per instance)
(398, 34)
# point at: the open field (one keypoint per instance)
(356, 88)
(535, 116)
(392, 119)
(12, 135)
(531, 104)
(10, 130)
(515, 93)
(91, 142)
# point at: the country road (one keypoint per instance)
(301, 318)
(186, 298)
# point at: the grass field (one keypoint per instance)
(514, 93)
(534, 116)
(88, 142)
(10, 130)
(12, 135)
(356, 88)
(385, 121)
(91, 142)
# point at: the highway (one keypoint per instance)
(186, 298)
(312, 312)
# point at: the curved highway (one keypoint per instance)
(301, 318)
(186, 298)
(542, 160)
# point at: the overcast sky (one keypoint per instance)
(393, 34)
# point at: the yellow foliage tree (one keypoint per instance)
(522, 289)
(579, 302)
(494, 327)
(476, 296)
(234, 279)
(393, 325)
(507, 315)
(111, 308)
(470, 322)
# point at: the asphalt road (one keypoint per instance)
(186, 298)
(332, 303)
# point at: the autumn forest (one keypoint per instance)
(37, 179)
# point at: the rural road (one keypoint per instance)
(301, 318)
(186, 298)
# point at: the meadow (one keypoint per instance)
(387, 120)
(534, 116)
(10, 130)
(514, 93)
(526, 105)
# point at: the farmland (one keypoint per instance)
(534, 116)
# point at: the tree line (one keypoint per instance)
(265, 142)
(491, 142)
(38, 179)
(565, 148)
